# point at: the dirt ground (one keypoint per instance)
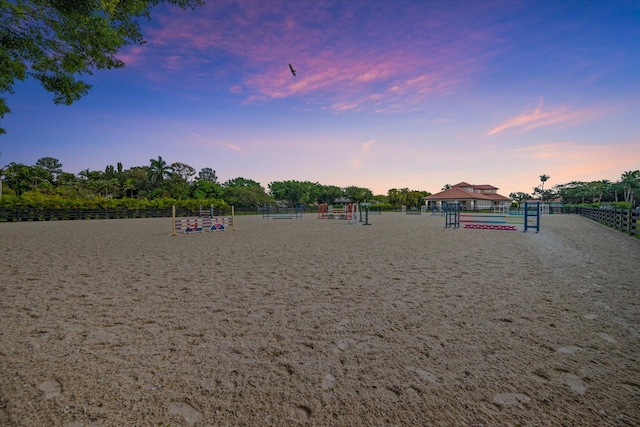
(319, 322)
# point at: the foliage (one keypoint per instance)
(35, 199)
(294, 192)
(405, 197)
(381, 207)
(544, 195)
(244, 193)
(306, 193)
(208, 174)
(160, 185)
(630, 181)
(55, 41)
(520, 197)
(620, 205)
(603, 191)
(158, 171)
(328, 193)
(358, 194)
(205, 189)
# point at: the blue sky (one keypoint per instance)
(388, 94)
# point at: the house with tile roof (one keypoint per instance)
(470, 197)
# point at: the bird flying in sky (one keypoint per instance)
(292, 70)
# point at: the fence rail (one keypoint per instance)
(626, 221)
(31, 214)
(53, 214)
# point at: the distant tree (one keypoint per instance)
(395, 198)
(110, 172)
(83, 175)
(158, 171)
(129, 185)
(205, 189)
(242, 182)
(328, 193)
(244, 193)
(54, 41)
(358, 194)
(294, 192)
(51, 165)
(576, 192)
(543, 179)
(630, 181)
(182, 170)
(135, 181)
(406, 197)
(66, 179)
(19, 177)
(597, 189)
(181, 174)
(519, 197)
(208, 174)
(381, 198)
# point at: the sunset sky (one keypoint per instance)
(388, 94)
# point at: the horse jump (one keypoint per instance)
(200, 224)
(297, 214)
(530, 219)
(348, 212)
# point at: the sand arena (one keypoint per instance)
(317, 322)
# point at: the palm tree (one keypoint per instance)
(158, 171)
(129, 186)
(630, 181)
(543, 179)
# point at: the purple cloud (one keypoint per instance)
(349, 55)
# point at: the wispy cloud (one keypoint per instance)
(201, 140)
(364, 148)
(367, 145)
(539, 117)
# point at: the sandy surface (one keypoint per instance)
(318, 322)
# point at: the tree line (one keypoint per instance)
(622, 192)
(160, 183)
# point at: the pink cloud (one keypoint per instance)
(558, 116)
(343, 63)
(133, 55)
(367, 145)
(201, 140)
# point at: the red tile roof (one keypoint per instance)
(484, 187)
(496, 196)
(455, 193)
(462, 184)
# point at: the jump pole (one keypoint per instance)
(366, 216)
(173, 221)
(233, 218)
(527, 215)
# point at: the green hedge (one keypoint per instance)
(38, 200)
